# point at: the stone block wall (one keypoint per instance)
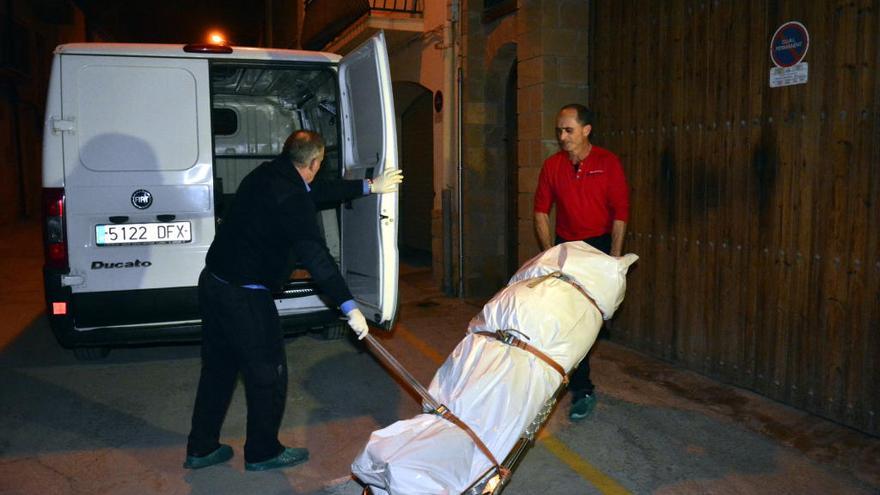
(548, 40)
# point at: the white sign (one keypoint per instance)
(789, 76)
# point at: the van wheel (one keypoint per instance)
(334, 331)
(90, 353)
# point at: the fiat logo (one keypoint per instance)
(141, 199)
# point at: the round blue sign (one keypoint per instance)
(789, 44)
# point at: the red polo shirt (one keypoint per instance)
(588, 197)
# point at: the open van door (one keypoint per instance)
(369, 146)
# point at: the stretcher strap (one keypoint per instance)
(508, 338)
(565, 278)
(437, 408)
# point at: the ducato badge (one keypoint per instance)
(141, 199)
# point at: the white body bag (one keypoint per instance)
(556, 303)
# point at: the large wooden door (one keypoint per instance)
(754, 209)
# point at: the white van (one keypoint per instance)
(144, 147)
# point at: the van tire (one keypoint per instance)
(334, 331)
(90, 353)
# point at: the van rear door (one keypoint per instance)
(137, 165)
(369, 146)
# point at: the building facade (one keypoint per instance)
(29, 31)
(477, 88)
(754, 201)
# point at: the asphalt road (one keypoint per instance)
(118, 426)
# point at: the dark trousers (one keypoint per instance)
(579, 382)
(241, 333)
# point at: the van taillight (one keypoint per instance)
(54, 238)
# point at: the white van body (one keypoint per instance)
(144, 147)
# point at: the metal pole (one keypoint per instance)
(460, 186)
(458, 73)
(386, 357)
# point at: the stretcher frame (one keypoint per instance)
(492, 481)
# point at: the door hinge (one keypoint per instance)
(63, 125)
(71, 280)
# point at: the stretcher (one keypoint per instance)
(499, 385)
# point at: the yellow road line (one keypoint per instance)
(419, 344)
(600, 480)
(579, 465)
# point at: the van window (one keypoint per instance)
(156, 131)
(224, 121)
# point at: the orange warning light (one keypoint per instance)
(216, 38)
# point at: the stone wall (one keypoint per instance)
(549, 42)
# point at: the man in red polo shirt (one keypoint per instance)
(587, 185)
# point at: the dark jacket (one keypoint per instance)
(272, 217)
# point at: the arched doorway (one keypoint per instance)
(512, 166)
(502, 157)
(415, 131)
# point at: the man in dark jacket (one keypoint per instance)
(272, 215)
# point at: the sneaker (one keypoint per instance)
(288, 457)
(582, 408)
(222, 454)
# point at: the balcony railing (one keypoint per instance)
(325, 19)
(403, 6)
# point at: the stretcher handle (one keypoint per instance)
(435, 406)
(380, 352)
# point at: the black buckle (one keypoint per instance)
(508, 337)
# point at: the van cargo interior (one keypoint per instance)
(254, 109)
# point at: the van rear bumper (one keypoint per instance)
(147, 316)
(174, 332)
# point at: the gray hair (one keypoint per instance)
(303, 146)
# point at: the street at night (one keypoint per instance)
(119, 425)
(439, 247)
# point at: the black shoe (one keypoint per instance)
(288, 457)
(582, 408)
(222, 454)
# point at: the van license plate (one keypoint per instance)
(143, 233)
